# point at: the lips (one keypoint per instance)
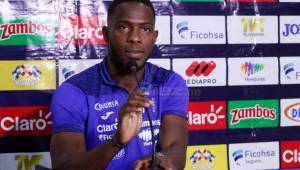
(134, 53)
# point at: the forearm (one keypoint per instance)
(96, 159)
(177, 154)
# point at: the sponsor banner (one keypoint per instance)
(68, 68)
(80, 30)
(161, 62)
(290, 154)
(252, 29)
(289, 29)
(199, 30)
(28, 75)
(290, 112)
(198, 0)
(25, 121)
(253, 1)
(253, 114)
(206, 157)
(162, 25)
(289, 70)
(249, 156)
(252, 71)
(201, 71)
(25, 161)
(27, 30)
(207, 115)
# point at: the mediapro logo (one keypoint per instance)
(200, 68)
(182, 27)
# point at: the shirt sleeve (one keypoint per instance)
(174, 96)
(69, 109)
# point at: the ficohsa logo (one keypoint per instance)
(81, 30)
(290, 154)
(25, 121)
(207, 115)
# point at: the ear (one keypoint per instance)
(156, 35)
(105, 33)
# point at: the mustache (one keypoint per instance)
(135, 48)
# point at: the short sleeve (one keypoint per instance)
(174, 96)
(69, 109)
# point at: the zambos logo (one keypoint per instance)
(38, 30)
(251, 68)
(292, 112)
(253, 113)
(182, 27)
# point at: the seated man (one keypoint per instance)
(99, 115)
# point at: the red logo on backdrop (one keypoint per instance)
(290, 154)
(200, 68)
(81, 30)
(25, 121)
(207, 115)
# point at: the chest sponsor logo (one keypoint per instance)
(190, 30)
(81, 30)
(263, 155)
(206, 157)
(253, 113)
(206, 115)
(202, 72)
(106, 105)
(290, 154)
(145, 133)
(25, 121)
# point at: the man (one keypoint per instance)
(99, 115)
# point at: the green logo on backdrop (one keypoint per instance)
(36, 30)
(253, 114)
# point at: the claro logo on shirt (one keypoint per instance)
(25, 121)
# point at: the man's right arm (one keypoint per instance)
(68, 152)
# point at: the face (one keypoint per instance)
(130, 35)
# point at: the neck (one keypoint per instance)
(126, 81)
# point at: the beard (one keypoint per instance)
(122, 68)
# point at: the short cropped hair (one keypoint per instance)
(117, 2)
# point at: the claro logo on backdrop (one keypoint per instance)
(199, 30)
(206, 157)
(207, 115)
(253, 113)
(25, 121)
(290, 154)
(201, 71)
(80, 30)
(264, 155)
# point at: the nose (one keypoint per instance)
(134, 36)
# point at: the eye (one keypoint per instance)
(124, 28)
(147, 29)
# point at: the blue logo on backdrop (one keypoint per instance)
(182, 27)
(291, 29)
(237, 155)
(288, 69)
